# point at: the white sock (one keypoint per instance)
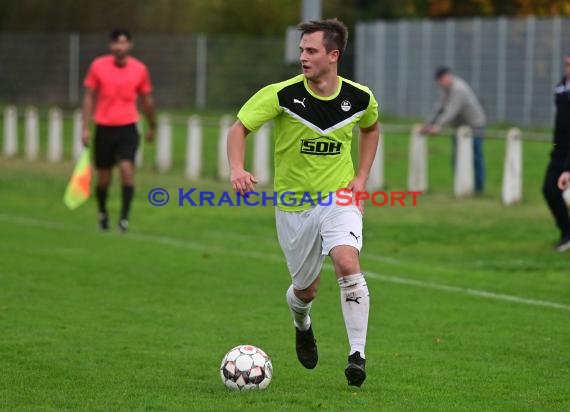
(299, 309)
(355, 303)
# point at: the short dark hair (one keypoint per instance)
(441, 71)
(118, 32)
(335, 33)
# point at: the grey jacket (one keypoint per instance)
(458, 106)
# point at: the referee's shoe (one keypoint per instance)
(123, 225)
(104, 221)
(564, 244)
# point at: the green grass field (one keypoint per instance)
(470, 305)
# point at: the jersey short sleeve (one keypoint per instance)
(260, 108)
(91, 80)
(370, 115)
(145, 86)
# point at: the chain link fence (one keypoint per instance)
(512, 64)
(187, 71)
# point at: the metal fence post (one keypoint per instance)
(311, 10)
(360, 58)
(201, 70)
(501, 68)
(426, 84)
(380, 58)
(73, 78)
(450, 43)
(529, 70)
(77, 125)
(402, 66)
(556, 57)
(476, 55)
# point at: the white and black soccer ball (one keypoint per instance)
(246, 367)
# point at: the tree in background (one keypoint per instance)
(468, 8)
(151, 16)
(251, 17)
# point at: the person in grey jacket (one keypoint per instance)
(459, 106)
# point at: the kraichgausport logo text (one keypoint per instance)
(342, 197)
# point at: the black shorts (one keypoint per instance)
(113, 143)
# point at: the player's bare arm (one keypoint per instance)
(147, 105)
(87, 113)
(367, 150)
(242, 181)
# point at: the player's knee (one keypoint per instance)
(103, 182)
(128, 181)
(307, 295)
(346, 264)
(127, 178)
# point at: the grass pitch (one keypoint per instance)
(470, 305)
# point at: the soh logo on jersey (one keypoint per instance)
(322, 145)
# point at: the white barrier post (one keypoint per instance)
(194, 148)
(10, 131)
(418, 162)
(55, 135)
(512, 168)
(164, 144)
(261, 155)
(223, 165)
(376, 178)
(77, 143)
(464, 181)
(32, 134)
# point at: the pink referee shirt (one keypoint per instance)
(117, 89)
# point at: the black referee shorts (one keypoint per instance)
(115, 143)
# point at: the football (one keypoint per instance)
(246, 367)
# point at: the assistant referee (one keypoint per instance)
(112, 85)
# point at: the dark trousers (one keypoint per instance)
(553, 195)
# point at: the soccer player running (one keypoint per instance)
(314, 114)
(112, 85)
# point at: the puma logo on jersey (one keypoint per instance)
(301, 102)
(349, 299)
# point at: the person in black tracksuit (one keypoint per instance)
(558, 171)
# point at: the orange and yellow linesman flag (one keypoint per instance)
(79, 186)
